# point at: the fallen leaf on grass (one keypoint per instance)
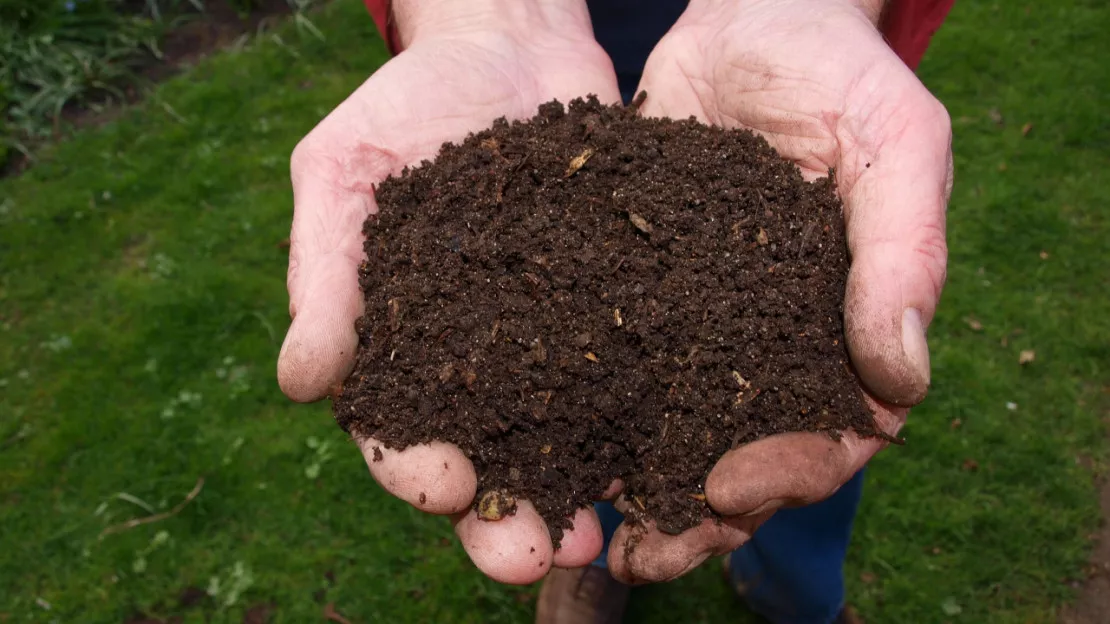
(191, 596)
(957, 423)
(1026, 128)
(1027, 356)
(258, 614)
(996, 116)
(970, 465)
(1043, 255)
(973, 323)
(867, 577)
(331, 615)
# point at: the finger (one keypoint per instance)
(436, 477)
(325, 252)
(792, 469)
(515, 549)
(895, 178)
(641, 554)
(582, 544)
(613, 490)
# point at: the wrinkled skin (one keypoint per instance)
(813, 76)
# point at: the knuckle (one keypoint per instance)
(301, 156)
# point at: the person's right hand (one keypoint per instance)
(464, 65)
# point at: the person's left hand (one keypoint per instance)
(817, 80)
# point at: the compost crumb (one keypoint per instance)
(590, 295)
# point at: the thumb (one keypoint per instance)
(899, 179)
(324, 255)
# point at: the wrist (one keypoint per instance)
(423, 19)
(871, 9)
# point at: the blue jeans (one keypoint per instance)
(792, 570)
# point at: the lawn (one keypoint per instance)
(142, 306)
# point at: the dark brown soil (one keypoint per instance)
(593, 295)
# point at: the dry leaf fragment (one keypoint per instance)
(1027, 356)
(617, 317)
(970, 465)
(591, 357)
(578, 162)
(545, 449)
(973, 323)
(696, 496)
(539, 352)
(640, 223)
(1043, 255)
(1026, 128)
(495, 505)
(761, 238)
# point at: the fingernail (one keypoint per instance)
(915, 346)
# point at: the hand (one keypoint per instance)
(816, 79)
(464, 65)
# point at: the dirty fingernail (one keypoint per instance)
(915, 346)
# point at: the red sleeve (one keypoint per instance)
(908, 25)
(379, 10)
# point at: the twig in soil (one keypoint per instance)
(394, 315)
(130, 524)
(806, 233)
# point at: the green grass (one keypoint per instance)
(60, 54)
(142, 302)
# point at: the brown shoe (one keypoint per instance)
(588, 595)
